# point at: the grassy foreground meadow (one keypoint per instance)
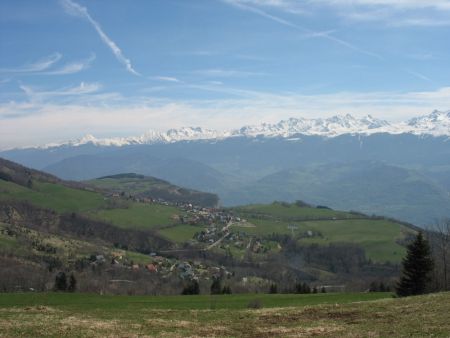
(324, 315)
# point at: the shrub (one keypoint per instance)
(255, 304)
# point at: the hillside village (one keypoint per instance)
(216, 223)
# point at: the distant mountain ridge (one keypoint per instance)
(274, 161)
(141, 186)
(435, 124)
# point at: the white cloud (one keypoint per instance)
(75, 9)
(37, 66)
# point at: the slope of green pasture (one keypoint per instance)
(266, 227)
(180, 233)
(376, 237)
(53, 196)
(138, 216)
(128, 184)
(292, 211)
(63, 199)
(7, 243)
(151, 187)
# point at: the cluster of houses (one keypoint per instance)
(168, 267)
(216, 224)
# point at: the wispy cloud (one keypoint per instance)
(166, 79)
(242, 4)
(400, 4)
(219, 72)
(46, 66)
(37, 66)
(423, 22)
(75, 9)
(38, 95)
(420, 76)
(72, 67)
(423, 56)
(430, 13)
(291, 6)
(424, 13)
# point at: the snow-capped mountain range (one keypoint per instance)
(435, 124)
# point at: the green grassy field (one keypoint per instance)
(129, 184)
(377, 237)
(92, 302)
(138, 216)
(180, 233)
(286, 211)
(66, 249)
(329, 315)
(63, 199)
(52, 196)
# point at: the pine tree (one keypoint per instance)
(273, 288)
(60, 281)
(192, 288)
(72, 283)
(226, 290)
(216, 286)
(417, 266)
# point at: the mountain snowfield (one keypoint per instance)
(435, 124)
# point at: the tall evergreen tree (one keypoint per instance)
(192, 288)
(417, 266)
(216, 286)
(72, 283)
(60, 281)
(273, 288)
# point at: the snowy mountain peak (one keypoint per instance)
(435, 124)
(435, 117)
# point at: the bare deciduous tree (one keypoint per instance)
(441, 247)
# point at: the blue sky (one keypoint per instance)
(120, 68)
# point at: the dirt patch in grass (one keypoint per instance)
(170, 323)
(29, 309)
(276, 316)
(282, 331)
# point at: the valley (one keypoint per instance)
(120, 226)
